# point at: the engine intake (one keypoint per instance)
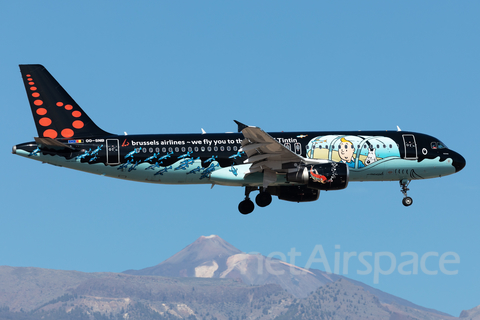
(325, 176)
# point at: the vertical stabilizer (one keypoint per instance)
(55, 113)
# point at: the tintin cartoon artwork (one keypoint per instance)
(357, 152)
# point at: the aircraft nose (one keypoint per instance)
(459, 162)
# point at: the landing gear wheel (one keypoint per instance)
(246, 206)
(263, 199)
(407, 201)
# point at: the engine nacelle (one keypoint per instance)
(325, 176)
(296, 193)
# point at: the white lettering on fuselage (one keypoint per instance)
(158, 143)
(145, 143)
(288, 140)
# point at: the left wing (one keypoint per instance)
(267, 155)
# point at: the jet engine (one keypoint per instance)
(325, 176)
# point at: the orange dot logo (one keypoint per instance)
(77, 124)
(68, 107)
(35, 94)
(38, 102)
(31, 83)
(59, 104)
(50, 133)
(28, 75)
(45, 122)
(33, 88)
(76, 114)
(41, 111)
(67, 133)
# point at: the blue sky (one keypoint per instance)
(175, 67)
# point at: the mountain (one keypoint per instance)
(213, 257)
(209, 279)
(34, 293)
(101, 296)
(343, 299)
(204, 258)
(472, 314)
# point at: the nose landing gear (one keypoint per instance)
(263, 199)
(407, 201)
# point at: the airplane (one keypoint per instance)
(264, 161)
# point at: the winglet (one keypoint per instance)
(241, 126)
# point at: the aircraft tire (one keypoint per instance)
(263, 199)
(246, 206)
(407, 201)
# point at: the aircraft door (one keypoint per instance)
(113, 151)
(410, 146)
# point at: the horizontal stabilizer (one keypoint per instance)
(49, 143)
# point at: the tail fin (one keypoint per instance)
(55, 113)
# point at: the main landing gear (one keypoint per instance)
(263, 199)
(407, 201)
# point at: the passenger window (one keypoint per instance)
(177, 149)
(196, 149)
(209, 149)
(164, 149)
(189, 149)
(229, 148)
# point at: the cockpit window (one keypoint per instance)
(438, 145)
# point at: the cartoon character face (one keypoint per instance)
(371, 158)
(346, 150)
